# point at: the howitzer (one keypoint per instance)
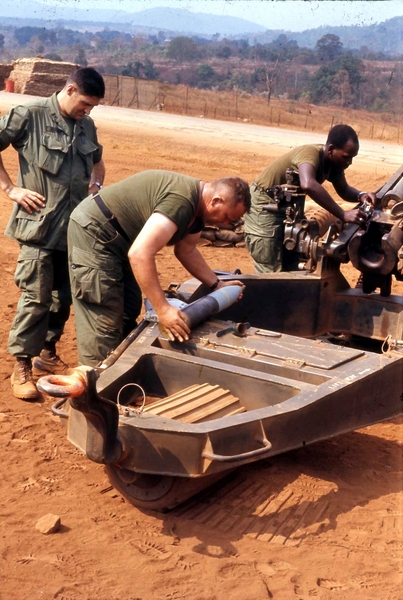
(374, 247)
(300, 357)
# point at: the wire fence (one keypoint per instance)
(132, 92)
(148, 94)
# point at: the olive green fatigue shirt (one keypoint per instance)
(135, 199)
(56, 158)
(258, 222)
(264, 231)
(104, 290)
(275, 173)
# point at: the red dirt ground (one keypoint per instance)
(324, 522)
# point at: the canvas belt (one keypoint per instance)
(110, 216)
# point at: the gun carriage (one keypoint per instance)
(301, 357)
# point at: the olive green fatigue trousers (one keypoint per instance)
(44, 305)
(264, 237)
(106, 296)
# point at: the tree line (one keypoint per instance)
(325, 74)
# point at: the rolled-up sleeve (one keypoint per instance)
(14, 127)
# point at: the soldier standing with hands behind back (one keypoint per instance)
(60, 162)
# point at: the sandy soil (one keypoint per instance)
(322, 522)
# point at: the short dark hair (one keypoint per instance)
(237, 187)
(88, 81)
(339, 135)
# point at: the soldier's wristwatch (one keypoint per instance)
(99, 185)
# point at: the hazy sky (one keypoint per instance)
(293, 15)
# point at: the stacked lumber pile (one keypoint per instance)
(5, 71)
(39, 76)
(224, 236)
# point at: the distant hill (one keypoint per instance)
(384, 37)
(202, 24)
(165, 19)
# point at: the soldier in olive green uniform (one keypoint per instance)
(264, 231)
(113, 238)
(60, 161)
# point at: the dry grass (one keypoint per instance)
(282, 113)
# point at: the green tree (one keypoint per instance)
(280, 43)
(206, 75)
(143, 70)
(265, 78)
(23, 35)
(80, 57)
(150, 72)
(223, 52)
(329, 47)
(243, 48)
(354, 67)
(52, 38)
(338, 82)
(341, 85)
(182, 49)
(38, 46)
(133, 69)
(66, 37)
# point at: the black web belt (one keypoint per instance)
(110, 216)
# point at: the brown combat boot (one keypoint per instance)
(49, 363)
(21, 380)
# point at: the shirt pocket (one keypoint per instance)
(33, 228)
(86, 150)
(52, 152)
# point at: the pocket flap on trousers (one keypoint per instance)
(82, 258)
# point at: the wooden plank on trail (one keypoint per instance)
(197, 403)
